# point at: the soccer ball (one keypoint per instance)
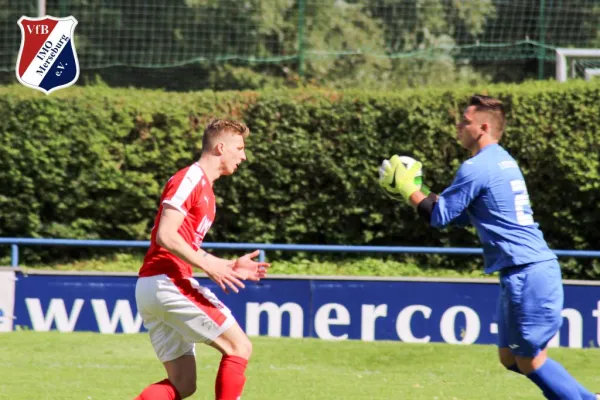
(408, 162)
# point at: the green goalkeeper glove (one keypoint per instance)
(398, 181)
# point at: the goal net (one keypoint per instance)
(577, 64)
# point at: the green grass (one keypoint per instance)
(367, 266)
(91, 366)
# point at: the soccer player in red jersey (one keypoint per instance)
(176, 310)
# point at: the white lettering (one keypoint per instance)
(524, 214)
(368, 316)
(274, 313)
(39, 29)
(323, 320)
(44, 50)
(403, 323)
(472, 325)
(56, 313)
(507, 164)
(122, 313)
(575, 329)
(203, 227)
(596, 313)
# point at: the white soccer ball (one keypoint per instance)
(408, 162)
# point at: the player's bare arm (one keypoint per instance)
(244, 265)
(423, 203)
(250, 269)
(217, 269)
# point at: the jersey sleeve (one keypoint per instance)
(181, 193)
(462, 220)
(453, 202)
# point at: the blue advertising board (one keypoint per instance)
(410, 310)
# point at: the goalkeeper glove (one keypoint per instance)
(398, 181)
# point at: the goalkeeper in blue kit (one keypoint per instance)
(489, 192)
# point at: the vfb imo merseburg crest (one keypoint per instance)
(47, 59)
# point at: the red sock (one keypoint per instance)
(163, 390)
(230, 378)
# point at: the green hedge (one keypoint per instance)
(91, 162)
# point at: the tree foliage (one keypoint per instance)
(91, 163)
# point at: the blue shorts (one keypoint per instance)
(529, 307)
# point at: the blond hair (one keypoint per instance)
(218, 126)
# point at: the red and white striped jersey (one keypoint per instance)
(189, 191)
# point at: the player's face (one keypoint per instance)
(468, 131)
(233, 153)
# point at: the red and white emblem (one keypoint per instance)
(47, 59)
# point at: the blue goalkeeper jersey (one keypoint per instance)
(489, 191)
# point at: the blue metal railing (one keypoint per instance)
(263, 247)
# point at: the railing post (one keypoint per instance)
(63, 8)
(542, 40)
(14, 258)
(301, 11)
(262, 256)
(41, 8)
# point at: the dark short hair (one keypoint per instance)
(218, 126)
(493, 107)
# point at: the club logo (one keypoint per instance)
(47, 59)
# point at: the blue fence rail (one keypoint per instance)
(263, 247)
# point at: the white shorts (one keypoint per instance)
(179, 313)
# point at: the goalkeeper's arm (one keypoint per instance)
(423, 203)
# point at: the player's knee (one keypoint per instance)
(186, 388)
(184, 382)
(248, 349)
(507, 359)
(234, 343)
(507, 363)
(242, 348)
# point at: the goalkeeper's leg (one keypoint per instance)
(529, 326)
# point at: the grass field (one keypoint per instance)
(91, 366)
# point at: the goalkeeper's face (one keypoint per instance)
(233, 152)
(468, 130)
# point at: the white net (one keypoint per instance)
(577, 64)
(587, 69)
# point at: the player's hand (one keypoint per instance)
(226, 277)
(396, 180)
(249, 269)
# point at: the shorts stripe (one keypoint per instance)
(210, 308)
